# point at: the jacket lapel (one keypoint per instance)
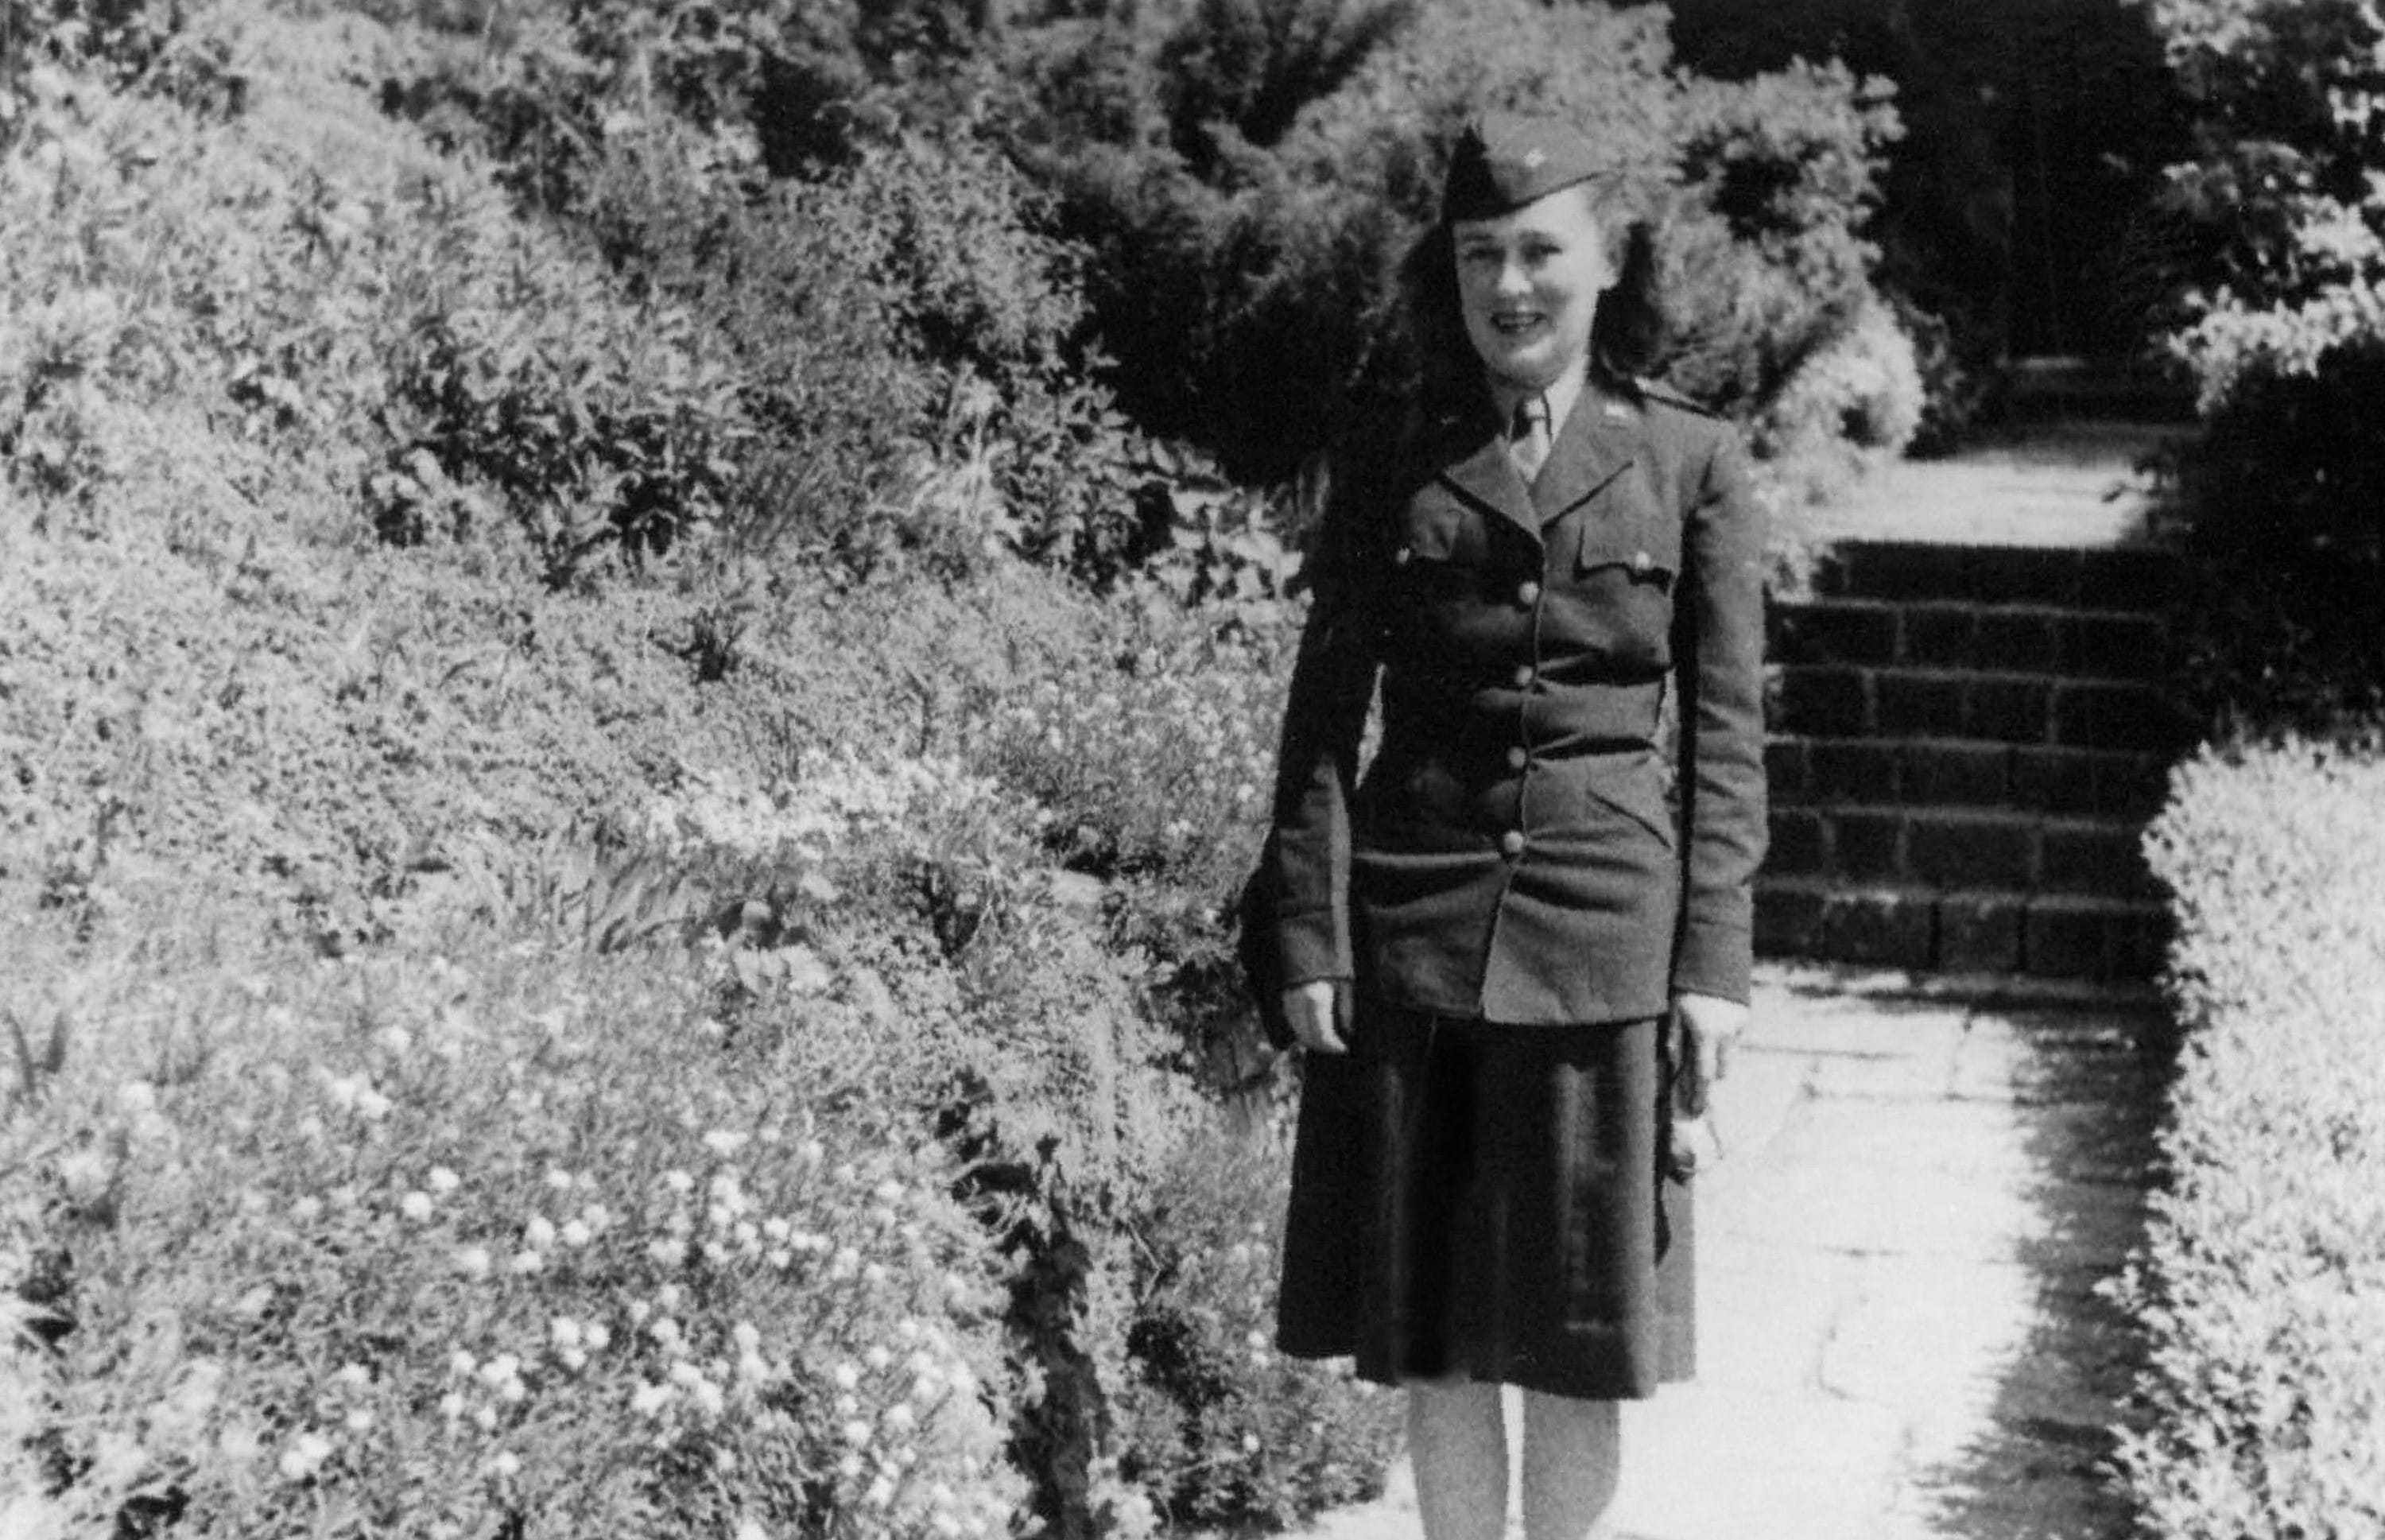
(1474, 461)
(1592, 448)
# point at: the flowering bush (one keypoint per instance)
(451, 1246)
(2261, 1278)
(1152, 746)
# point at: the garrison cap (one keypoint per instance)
(1505, 160)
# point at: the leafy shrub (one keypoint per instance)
(2265, 1258)
(1224, 1431)
(2283, 332)
(1854, 402)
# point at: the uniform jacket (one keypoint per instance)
(1518, 850)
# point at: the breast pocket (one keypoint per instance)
(1627, 563)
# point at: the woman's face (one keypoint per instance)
(1529, 282)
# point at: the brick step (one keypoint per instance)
(1846, 701)
(1961, 847)
(1965, 773)
(2102, 644)
(1961, 931)
(2113, 578)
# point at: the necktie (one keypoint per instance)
(1528, 436)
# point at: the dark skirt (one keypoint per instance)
(1488, 1202)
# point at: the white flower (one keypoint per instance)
(847, 1376)
(650, 1398)
(668, 1296)
(497, 1371)
(442, 1180)
(746, 1336)
(306, 1209)
(723, 1143)
(877, 1357)
(305, 1456)
(360, 1421)
(486, 1419)
(461, 1363)
(708, 1399)
(529, 1262)
(504, 1464)
(451, 1406)
(394, 1040)
(749, 1529)
(678, 1182)
(371, 1105)
(575, 1234)
(597, 1337)
(558, 1179)
(900, 1417)
(857, 1431)
(564, 1332)
(881, 1492)
(472, 1261)
(137, 1096)
(538, 1232)
(669, 1253)
(415, 1205)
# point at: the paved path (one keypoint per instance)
(2056, 484)
(1900, 1337)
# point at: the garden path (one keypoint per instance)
(1900, 1331)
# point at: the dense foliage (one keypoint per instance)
(2285, 334)
(2266, 1262)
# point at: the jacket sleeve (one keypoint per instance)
(1720, 655)
(1316, 765)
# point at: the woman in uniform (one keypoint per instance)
(1523, 939)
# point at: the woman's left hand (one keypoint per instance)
(1708, 1026)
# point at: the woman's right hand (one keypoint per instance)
(1313, 1011)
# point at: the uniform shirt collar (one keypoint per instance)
(1561, 395)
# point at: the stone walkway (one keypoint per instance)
(1900, 1333)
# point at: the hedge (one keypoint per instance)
(2261, 1284)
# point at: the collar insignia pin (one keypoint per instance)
(1535, 158)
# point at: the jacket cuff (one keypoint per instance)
(1311, 948)
(1718, 960)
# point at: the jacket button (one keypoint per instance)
(1511, 844)
(1519, 757)
(1523, 676)
(1642, 561)
(1528, 595)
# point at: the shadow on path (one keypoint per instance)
(2086, 1089)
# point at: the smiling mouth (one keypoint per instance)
(1514, 325)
